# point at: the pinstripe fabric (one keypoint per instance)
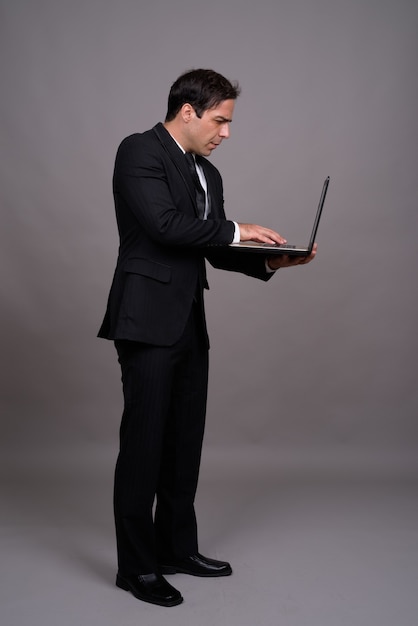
(161, 437)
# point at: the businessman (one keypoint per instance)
(170, 217)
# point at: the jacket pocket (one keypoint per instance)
(150, 269)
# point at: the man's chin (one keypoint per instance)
(210, 149)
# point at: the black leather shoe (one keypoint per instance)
(150, 588)
(196, 565)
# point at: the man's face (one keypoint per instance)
(206, 133)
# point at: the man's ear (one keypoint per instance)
(187, 112)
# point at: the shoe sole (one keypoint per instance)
(166, 570)
(124, 585)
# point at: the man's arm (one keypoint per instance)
(154, 193)
(150, 193)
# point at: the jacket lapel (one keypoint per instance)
(178, 159)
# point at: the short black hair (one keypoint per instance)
(203, 89)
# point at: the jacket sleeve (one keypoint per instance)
(226, 258)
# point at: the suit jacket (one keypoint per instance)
(163, 243)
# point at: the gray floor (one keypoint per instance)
(318, 544)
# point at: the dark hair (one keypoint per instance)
(203, 89)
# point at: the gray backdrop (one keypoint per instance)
(322, 360)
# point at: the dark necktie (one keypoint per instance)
(200, 192)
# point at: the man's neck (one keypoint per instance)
(175, 132)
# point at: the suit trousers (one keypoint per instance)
(161, 435)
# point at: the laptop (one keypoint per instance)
(286, 248)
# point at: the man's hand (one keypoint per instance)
(253, 232)
(278, 261)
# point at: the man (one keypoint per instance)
(170, 216)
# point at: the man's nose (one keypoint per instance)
(224, 131)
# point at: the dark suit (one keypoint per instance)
(155, 314)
